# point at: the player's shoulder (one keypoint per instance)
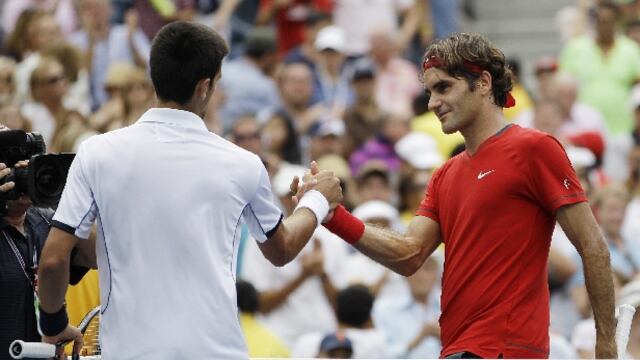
(527, 138)
(234, 150)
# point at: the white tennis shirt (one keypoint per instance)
(168, 197)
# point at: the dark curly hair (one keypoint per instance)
(455, 54)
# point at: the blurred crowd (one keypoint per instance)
(339, 82)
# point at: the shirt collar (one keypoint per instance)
(174, 117)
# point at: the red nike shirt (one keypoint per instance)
(496, 211)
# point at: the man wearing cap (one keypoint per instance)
(334, 86)
(247, 84)
(336, 346)
(494, 206)
(364, 117)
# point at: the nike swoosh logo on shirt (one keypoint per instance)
(483, 174)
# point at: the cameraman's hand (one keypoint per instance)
(22, 164)
(4, 171)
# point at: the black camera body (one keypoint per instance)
(43, 179)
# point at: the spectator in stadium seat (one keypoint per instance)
(307, 52)
(374, 181)
(577, 117)
(261, 342)
(104, 44)
(60, 127)
(331, 70)
(247, 84)
(286, 129)
(35, 30)
(606, 66)
(410, 321)
(397, 81)
(335, 346)
(381, 147)
(70, 57)
(354, 306)
(610, 205)
(64, 12)
(364, 117)
(289, 18)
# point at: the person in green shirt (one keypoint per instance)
(606, 64)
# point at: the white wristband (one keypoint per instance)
(316, 202)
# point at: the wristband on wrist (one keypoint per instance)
(317, 203)
(345, 225)
(53, 324)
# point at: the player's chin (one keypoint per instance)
(449, 127)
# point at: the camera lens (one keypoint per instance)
(50, 180)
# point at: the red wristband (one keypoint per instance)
(345, 225)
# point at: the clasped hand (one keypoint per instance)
(323, 181)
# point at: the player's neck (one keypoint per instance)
(177, 106)
(489, 121)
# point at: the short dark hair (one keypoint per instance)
(354, 305)
(182, 54)
(247, 297)
(260, 43)
(460, 49)
(607, 5)
(316, 17)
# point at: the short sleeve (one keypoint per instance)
(553, 181)
(77, 208)
(429, 205)
(261, 215)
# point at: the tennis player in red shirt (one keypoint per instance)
(494, 207)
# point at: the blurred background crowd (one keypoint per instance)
(338, 81)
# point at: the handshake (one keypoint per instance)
(324, 182)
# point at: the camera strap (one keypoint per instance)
(32, 280)
(23, 265)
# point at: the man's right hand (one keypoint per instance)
(5, 171)
(329, 185)
(70, 333)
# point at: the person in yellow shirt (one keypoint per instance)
(519, 93)
(261, 342)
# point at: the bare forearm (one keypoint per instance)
(86, 254)
(398, 252)
(599, 283)
(292, 235)
(53, 279)
(270, 300)
(579, 224)
(329, 290)
(227, 8)
(412, 20)
(265, 14)
(137, 58)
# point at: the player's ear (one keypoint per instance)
(202, 89)
(484, 82)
